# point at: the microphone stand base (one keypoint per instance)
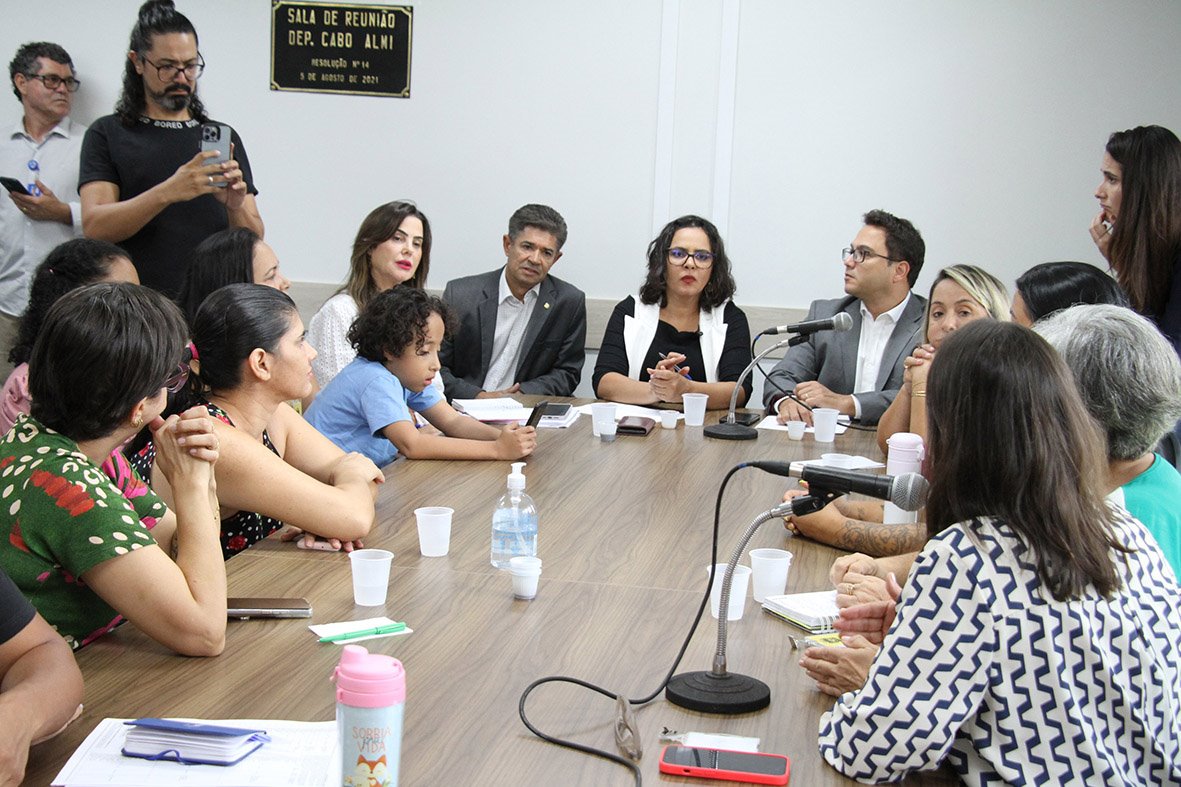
(725, 431)
(709, 693)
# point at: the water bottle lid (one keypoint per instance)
(369, 680)
(905, 441)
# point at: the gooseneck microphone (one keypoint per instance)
(907, 491)
(718, 690)
(728, 428)
(841, 321)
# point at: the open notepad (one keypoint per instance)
(813, 612)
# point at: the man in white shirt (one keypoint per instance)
(41, 153)
(859, 371)
(520, 330)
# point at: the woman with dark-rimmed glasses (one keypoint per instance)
(684, 334)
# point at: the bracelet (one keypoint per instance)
(921, 394)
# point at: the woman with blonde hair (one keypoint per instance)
(959, 295)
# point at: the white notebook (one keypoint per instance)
(813, 612)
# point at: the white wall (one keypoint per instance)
(983, 123)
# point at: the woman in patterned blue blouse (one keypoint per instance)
(1038, 639)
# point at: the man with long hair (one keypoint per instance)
(145, 184)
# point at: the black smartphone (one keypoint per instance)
(14, 185)
(535, 416)
(747, 419)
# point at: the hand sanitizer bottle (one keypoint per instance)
(514, 522)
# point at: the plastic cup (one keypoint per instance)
(824, 422)
(737, 591)
(837, 460)
(694, 404)
(769, 572)
(525, 571)
(796, 429)
(434, 530)
(371, 576)
(603, 420)
(668, 419)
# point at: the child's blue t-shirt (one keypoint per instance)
(360, 402)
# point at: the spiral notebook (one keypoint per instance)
(813, 612)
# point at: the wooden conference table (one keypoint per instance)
(624, 536)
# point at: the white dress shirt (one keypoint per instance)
(512, 317)
(875, 334)
(23, 241)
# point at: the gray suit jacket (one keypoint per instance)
(553, 349)
(830, 357)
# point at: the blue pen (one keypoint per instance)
(676, 366)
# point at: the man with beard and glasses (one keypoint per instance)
(144, 183)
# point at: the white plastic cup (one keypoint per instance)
(694, 404)
(668, 419)
(737, 591)
(434, 530)
(796, 429)
(837, 460)
(603, 420)
(371, 576)
(525, 571)
(824, 422)
(769, 572)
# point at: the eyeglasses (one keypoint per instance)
(175, 381)
(860, 254)
(53, 81)
(680, 257)
(168, 71)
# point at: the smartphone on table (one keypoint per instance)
(216, 137)
(734, 766)
(268, 608)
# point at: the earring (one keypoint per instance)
(138, 421)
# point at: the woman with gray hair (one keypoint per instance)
(1130, 381)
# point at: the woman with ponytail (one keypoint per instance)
(251, 358)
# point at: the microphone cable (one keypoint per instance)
(633, 766)
(767, 381)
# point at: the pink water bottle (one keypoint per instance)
(370, 698)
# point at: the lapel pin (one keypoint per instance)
(545, 305)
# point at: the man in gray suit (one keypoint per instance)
(859, 371)
(520, 330)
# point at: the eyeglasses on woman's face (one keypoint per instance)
(680, 257)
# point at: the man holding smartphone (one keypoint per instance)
(39, 153)
(146, 183)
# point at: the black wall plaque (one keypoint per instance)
(335, 48)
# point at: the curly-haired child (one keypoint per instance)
(368, 406)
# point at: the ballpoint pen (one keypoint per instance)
(676, 366)
(392, 628)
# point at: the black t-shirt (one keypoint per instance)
(138, 158)
(15, 609)
(734, 358)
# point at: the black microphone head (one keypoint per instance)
(909, 491)
(841, 321)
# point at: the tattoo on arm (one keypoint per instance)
(878, 540)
